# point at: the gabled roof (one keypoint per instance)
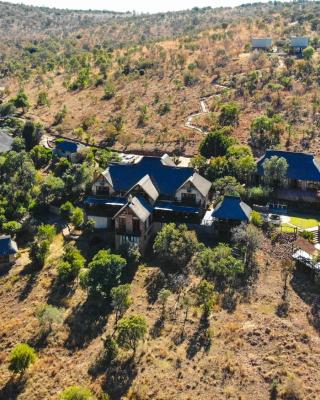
(167, 179)
(199, 182)
(232, 208)
(141, 208)
(299, 41)
(301, 166)
(7, 246)
(262, 42)
(68, 146)
(148, 186)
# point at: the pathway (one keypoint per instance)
(204, 109)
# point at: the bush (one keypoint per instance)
(48, 316)
(175, 244)
(11, 227)
(307, 235)
(77, 393)
(257, 219)
(21, 356)
(69, 269)
(216, 143)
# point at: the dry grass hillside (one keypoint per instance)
(155, 69)
(248, 352)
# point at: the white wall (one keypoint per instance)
(99, 222)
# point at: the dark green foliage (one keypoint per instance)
(229, 115)
(40, 156)
(32, 133)
(103, 273)
(216, 143)
(219, 263)
(69, 269)
(175, 245)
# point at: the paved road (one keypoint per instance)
(5, 141)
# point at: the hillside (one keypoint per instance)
(155, 69)
(213, 307)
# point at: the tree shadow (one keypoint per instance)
(119, 378)
(153, 284)
(302, 283)
(86, 322)
(13, 388)
(59, 292)
(39, 341)
(32, 272)
(157, 327)
(200, 339)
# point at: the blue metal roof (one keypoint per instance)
(167, 178)
(301, 166)
(101, 201)
(67, 146)
(7, 246)
(232, 208)
(169, 206)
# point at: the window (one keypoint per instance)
(103, 190)
(136, 225)
(188, 197)
(122, 224)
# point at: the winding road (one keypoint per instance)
(204, 109)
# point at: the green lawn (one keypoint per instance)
(305, 221)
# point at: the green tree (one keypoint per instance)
(39, 249)
(71, 266)
(103, 273)
(229, 115)
(21, 357)
(40, 156)
(43, 99)
(109, 91)
(130, 331)
(11, 227)
(121, 299)
(163, 297)
(51, 189)
(308, 53)
(175, 244)
(77, 393)
(32, 133)
(266, 132)
(216, 143)
(228, 185)
(275, 171)
(206, 296)
(21, 100)
(219, 263)
(77, 217)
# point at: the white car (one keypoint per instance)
(274, 219)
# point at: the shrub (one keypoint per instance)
(48, 316)
(257, 219)
(175, 244)
(77, 393)
(21, 357)
(307, 235)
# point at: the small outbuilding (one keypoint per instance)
(261, 43)
(299, 43)
(8, 251)
(231, 211)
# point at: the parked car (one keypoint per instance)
(274, 219)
